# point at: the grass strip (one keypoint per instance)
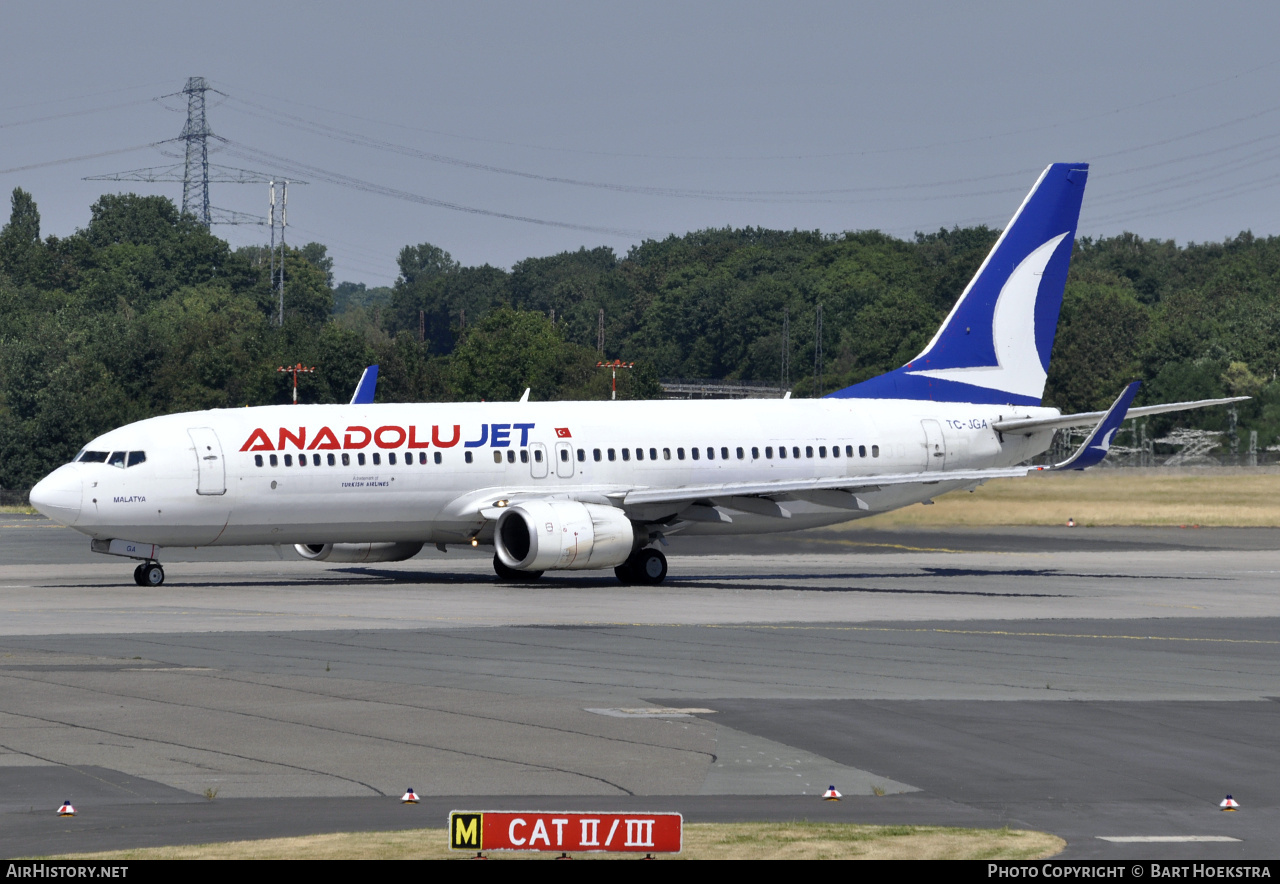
(795, 840)
(1222, 497)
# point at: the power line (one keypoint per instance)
(81, 158)
(195, 171)
(253, 154)
(1031, 130)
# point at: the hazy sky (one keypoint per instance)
(611, 123)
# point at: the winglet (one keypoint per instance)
(1096, 446)
(364, 390)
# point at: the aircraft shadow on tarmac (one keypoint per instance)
(767, 582)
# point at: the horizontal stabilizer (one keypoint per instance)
(1090, 418)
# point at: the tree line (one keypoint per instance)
(144, 311)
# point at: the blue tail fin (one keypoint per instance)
(994, 346)
(364, 390)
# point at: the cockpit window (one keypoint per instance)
(116, 459)
(137, 457)
(92, 457)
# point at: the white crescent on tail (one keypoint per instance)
(1018, 368)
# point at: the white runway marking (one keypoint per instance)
(1162, 839)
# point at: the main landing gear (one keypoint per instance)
(148, 574)
(646, 567)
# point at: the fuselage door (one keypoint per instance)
(538, 464)
(212, 468)
(935, 449)
(564, 460)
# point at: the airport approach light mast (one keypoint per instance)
(296, 370)
(613, 367)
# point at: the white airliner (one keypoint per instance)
(592, 485)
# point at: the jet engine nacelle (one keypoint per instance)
(358, 552)
(554, 535)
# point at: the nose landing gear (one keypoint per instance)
(148, 574)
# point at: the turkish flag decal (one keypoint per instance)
(563, 433)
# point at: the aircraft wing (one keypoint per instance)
(703, 502)
(1091, 418)
(799, 487)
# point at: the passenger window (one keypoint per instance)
(288, 460)
(653, 454)
(808, 451)
(795, 451)
(302, 460)
(116, 459)
(257, 460)
(359, 458)
(274, 461)
(666, 454)
(782, 452)
(377, 458)
(639, 454)
(862, 451)
(391, 459)
(755, 453)
(524, 455)
(822, 451)
(626, 454)
(582, 455)
(346, 459)
(875, 450)
(848, 451)
(768, 452)
(679, 454)
(315, 460)
(497, 457)
(511, 456)
(595, 454)
(564, 455)
(711, 454)
(724, 453)
(137, 457)
(537, 455)
(422, 458)
(741, 454)
(332, 460)
(612, 455)
(467, 457)
(694, 452)
(439, 459)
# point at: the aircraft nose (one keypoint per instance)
(59, 494)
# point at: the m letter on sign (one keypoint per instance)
(564, 831)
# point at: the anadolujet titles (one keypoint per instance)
(594, 485)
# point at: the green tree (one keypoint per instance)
(20, 238)
(509, 350)
(317, 256)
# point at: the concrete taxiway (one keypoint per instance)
(1091, 683)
